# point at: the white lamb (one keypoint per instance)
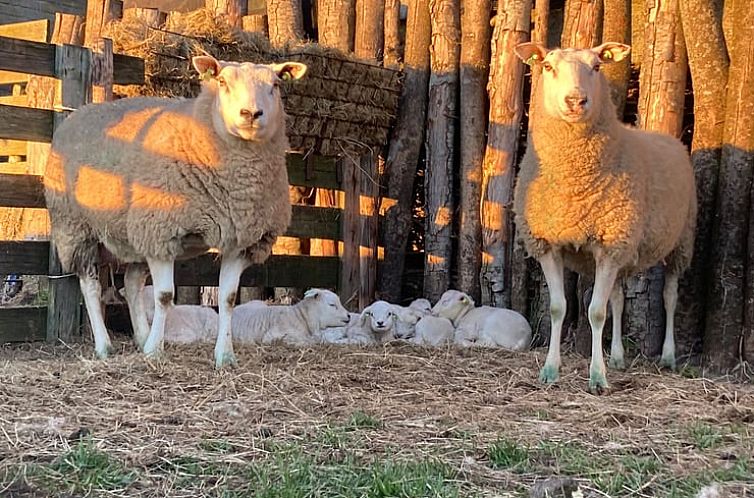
(156, 180)
(409, 316)
(434, 331)
(483, 326)
(300, 323)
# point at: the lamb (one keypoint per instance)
(300, 323)
(599, 198)
(422, 305)
(156, 180)
(377, 324)
(434, 331)
(339, 334)
(485, 325)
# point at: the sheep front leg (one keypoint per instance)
(616, 344)
(92, 291)
(230, 274)
(552, 267)
(604, 281)
(162, 281)
(134, 280)
(670, 297)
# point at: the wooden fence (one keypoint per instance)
(61, 318)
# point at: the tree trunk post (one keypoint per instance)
(393, 52)
(336, 21)
(285, 21)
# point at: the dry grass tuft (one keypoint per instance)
(478, 417)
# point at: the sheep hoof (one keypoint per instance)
(549, 374)
(668, 361)
(152, 352)
(598, 382)
(225, 360)
(103, 353)
(617, 363)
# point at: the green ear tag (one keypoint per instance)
(532, 58)
(207, 75)
(285, 76)
(606, 54)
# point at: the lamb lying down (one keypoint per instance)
(483, 326)
(434, 331)
(184, 323)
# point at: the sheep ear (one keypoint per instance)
(531, 52)
(363, 318)
(289, 70)
(207, 66)
(311, 293)
(612, 52)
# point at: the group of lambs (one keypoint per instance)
(320, 318)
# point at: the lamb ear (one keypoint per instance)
(531, 52)
(207, 66)
(289, 70)
(612, 52)
(311, 293)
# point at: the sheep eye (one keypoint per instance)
(547, 66)
(333, 305)
(596, 68)
(221, 82)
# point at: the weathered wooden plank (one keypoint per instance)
(12, 147)
(24, 257)
(12, 78)
(315, 222)
(18, 11)
(17, 100)
(127, 70)
(350, 272)
(25, 56)
(21, 191)
(19, 168)
(278, 271)
(23, 123)
(21, 324)
(315, 171)
(29, 30)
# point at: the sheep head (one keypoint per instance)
(453, 305)
(247, 96)
(324, 308)
(572, 86)
(379, 317)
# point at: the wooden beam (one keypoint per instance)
(16, 100)
(29, 30)
(21, 324)
(24, 191)
(19, 168)
(25, 56)
(24, 257)
(12, 78)
(349, 275)
(15, 10)
(12, 147)
(127, 70)
(23, 123)
(316, 171)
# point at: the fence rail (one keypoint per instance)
(72, 65)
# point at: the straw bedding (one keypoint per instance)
(342, 105)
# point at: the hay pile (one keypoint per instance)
(342, 105)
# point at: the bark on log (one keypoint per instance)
(475, 42)
(511, 27)
(405, 148)
(393, 49)
(232, 10)
(582, 26)
(336, 23)
(617, 28)
(440, 146)
(255, 23)
(370, 29)
(285, 21)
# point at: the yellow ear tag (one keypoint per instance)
(532, 58)
(285, 76)
(606, 54)
(207, 75)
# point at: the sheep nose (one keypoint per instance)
(380, 324)
(250, 115)
(576, 101)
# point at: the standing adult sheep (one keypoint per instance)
(156, 180)
(598, 197)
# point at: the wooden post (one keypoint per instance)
(102, 70)
(255, 23)
(73, 67)
(370, 30)
(370, 191)
(350, 264)
(98, 14)
(233, 10)
(286, 21)
(335, 23)
(393, 52)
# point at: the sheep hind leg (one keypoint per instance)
(231, 268)
(604, 282)
(134, 280)
(162, 280)
(670, 297)
(92, 292)
(617, 360)
(552, 267)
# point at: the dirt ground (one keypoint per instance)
(477, 421)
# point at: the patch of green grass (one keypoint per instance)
(508, 454)
(216, 446)
(85, 468)
(705, 436)
(361, 420)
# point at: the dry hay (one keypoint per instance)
(342, 105)
(146, 413)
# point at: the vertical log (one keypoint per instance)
(98, 15)
(368, 201)
(730, 310)
(255, 23)
(393, 52)
(639, 16)
(405, 148)
(475, 43)
(74, 70)
(232, 10)
(661, 102)
(285, 21)
(506, 108)
(583, 24)
(617, 28)
(350, 263)
(708, 61)
(336, 23)
(370, 29)
(440, 146)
